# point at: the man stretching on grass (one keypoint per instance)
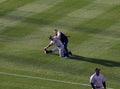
(64, 40)
(59, 46)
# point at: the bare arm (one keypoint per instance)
(104, 85)
(92, 86)
(45, 48)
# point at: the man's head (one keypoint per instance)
(55, 31)
(97, 71)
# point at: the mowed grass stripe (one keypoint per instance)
(13, 19)
(114, 30)
(111, 32)
(57, 12)
(2, 1)
(114, 50)
(23, 12)
(48, 16)
(110, 2)
(39, 6)
(96, 46)
(102, 22)
(93, 10)
(10, 5)
(100, 45)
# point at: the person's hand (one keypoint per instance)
(45, 48)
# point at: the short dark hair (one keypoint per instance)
(55, 29)
(97, 69)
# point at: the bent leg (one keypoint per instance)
(61, 51)
(54, 49)
(66, 49)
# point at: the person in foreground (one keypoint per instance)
(97, 80)
(59, 46)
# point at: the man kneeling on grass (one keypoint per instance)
(59, 46)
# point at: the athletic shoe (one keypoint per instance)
(70, 53)
(48, 51)
(66, 57)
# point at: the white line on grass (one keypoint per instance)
(46, 79)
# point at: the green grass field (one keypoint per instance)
(94, 27)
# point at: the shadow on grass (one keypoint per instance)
(32, 61)
(96, 61)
